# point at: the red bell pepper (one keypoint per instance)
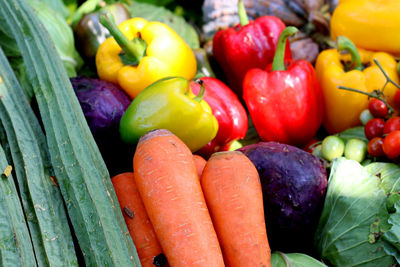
(285, 105)
(229, 112)
(247, 45)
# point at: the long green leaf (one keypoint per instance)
(15, 242)
(82, 175)
(42, 200)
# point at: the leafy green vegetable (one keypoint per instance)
(355, 216)
(58, 6)
(61, 35)
(156, 13)
(279, 259)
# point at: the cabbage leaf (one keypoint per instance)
(354, 216)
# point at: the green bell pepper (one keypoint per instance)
(170, 104)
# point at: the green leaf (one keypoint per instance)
(356, 132)
(354, 201)
(279, 259)
(177, 23)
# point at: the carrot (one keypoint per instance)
(166, 178)
(232, 189)
(135, 215)
(200, 162)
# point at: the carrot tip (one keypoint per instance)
(154, 133)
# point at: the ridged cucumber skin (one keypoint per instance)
(80, 170)
(15, 243)
(42, 200)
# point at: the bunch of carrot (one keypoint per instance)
(217, 220)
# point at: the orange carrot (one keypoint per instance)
(166, 178)
(200, 163)
(232, 189)
(135, 215)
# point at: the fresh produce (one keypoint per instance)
(370, 24)
(354, 227)
(378, 108)
(365, 116)
(236, 54)
(355, 149)
(170, 104)
(285, 103)
(16, 247)
(200, 163)
(279, 259)
(61, 35)
(227, 109)
(136, 218)
(391, 144)
(40, 195)
(89, 32)
(152, 12)
(375, 148)
(374, 128)
(343, 108)
(103, 104)
(167, 181)
(332, 147)
(232, 190)
(81, 173)
(293, 184)
(152, 51)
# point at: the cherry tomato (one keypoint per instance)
(365, 116)
(391, 125)
(391, 145)
(377, 108)
(396, 100)
(374, 147)
(332, 147)
(374, 128)
(355, 149)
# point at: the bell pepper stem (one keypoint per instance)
(134, 49)
(244, 20)
(200, 95)
(279, 59)
(344, 44)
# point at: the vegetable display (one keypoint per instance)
(285, 103)
(170, 104)
(156, 52)
(186, 133)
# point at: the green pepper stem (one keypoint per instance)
(344, 44)
(135, 49)
(244, 20)
(200, 95)
(279, 59)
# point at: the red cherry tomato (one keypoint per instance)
(374, 128)
(391, 125)
(396, 100)
(374, 147)
(391, 145)
(377, 108)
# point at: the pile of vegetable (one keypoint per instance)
(199, 133)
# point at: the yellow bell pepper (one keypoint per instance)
(343, 108)
(150, 51)
(370, 24)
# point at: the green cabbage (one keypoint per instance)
(279, 259)
(61, 35)
(359, 225)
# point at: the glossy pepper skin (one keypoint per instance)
(166, 55)
(285, 102)
(243, 47)
(343, 108)
(369, 24)
(170, 104)
(227, 109)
